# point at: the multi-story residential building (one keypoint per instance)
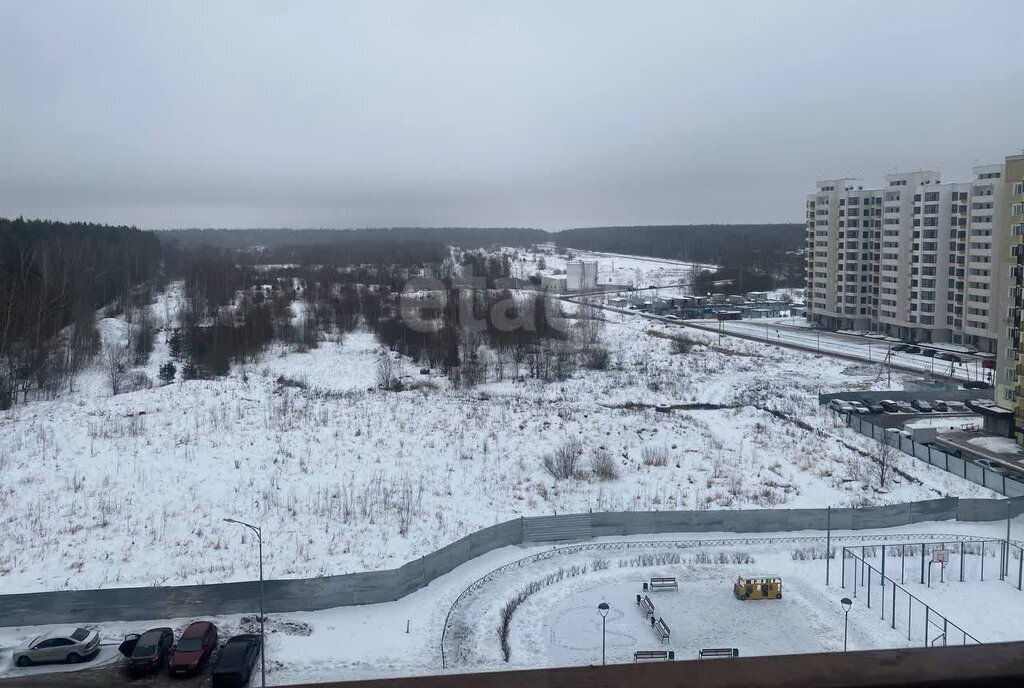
(842, 225)
(913, 259)
(1010, 371)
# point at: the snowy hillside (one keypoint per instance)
(132, 489)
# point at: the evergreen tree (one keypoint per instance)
(167, 372)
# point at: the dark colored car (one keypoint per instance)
(946, 356)
(194, 649)
(921, 405)
(930, 353)
(913, 350)
(976, 384)
(889, 406)
(146, 653)
(873, 406)
(901, 347)
(236, 662)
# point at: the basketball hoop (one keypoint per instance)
(940, 556)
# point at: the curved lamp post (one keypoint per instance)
(263, 645)
(603, 610)
(846, 603)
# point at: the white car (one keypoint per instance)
(70, 645)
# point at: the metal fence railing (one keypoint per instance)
(931, 454)
(896, 605)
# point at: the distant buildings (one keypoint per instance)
(581, 275)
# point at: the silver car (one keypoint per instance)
(69, 645)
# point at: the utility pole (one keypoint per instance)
(263, 644)
(828, 543)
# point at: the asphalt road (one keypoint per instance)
(103, 676)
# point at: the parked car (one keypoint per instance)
(921, 405)
(236, 662)
(947, 356)
(873, 406)
(956, 406)
(993, 466)
(148, 652)
(940, 405)
(671, 317)
(839, 406)
(976, 384)
(930, 353)
(912, 350)
(889, 405)
(901, 347)
(194, 649)
(858, 407)
(905, 407)
(71, 645)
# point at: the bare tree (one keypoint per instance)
(387, 373)
(114, 358)
(885, 460)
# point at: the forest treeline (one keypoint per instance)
(398, 245)
(754, 257)
(242, 291)
(53, 278)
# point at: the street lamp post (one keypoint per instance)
(263, 645)
(846, 603)
(603, 609)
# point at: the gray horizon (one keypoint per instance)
(273, 113)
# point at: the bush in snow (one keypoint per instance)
(682, 344)
(655, 455)
(596, 358)
(602, 465)
(564, 462)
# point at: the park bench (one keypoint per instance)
(661, 628)
(651, 655)
(716, 652)
(645, 604)
(662, 583)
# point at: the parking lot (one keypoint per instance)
(103, 676)
(959, 429)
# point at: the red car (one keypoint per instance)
(194, 649)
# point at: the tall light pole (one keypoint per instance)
(846, 602)
(263, 645)
(603, 609)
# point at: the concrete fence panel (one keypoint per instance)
(132, 604)
(921, 452)
(933, 510)
(881, 516)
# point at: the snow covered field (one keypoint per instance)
(615, 268)
(106, 491)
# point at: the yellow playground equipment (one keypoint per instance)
(758, 588)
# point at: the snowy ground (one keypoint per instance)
(344, 477)
(614, 268)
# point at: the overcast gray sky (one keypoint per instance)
(549, 114)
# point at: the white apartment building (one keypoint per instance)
(913, 259)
